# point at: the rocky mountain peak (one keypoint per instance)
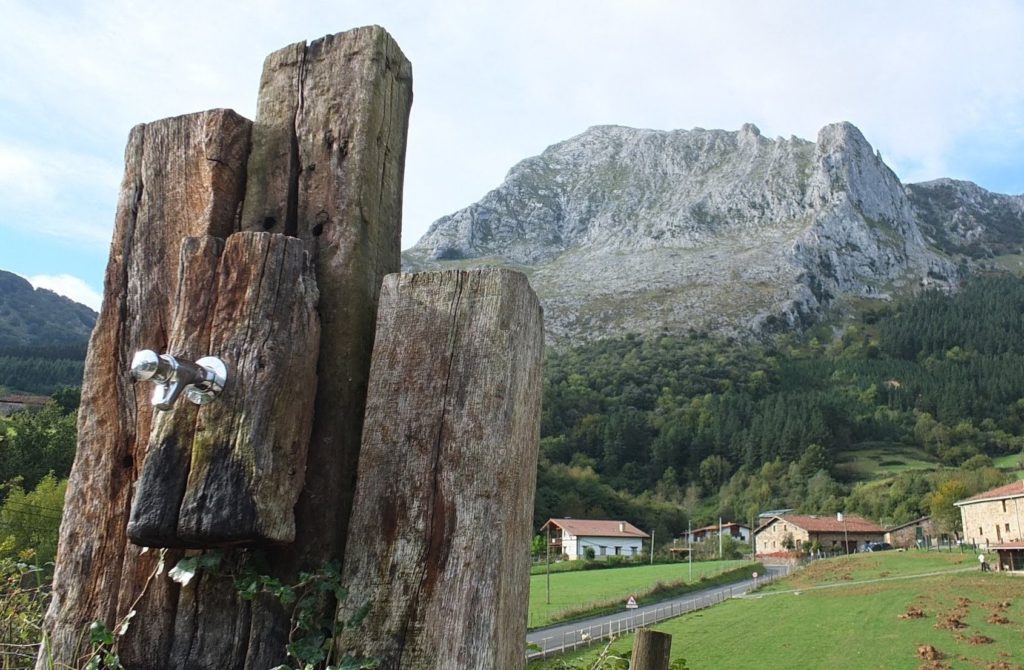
(624, 229)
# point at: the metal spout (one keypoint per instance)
(201, 381)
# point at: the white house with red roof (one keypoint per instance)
(994, 517)
(572, 537)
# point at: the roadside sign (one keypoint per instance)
(631, 603)
(754, 575)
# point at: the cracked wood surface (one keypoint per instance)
(338, 110)
(186, 177)
(444, 500)
(231, 471)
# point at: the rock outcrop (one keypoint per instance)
(628, 230)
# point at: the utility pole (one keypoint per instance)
(548, 569)
(689, 547)
(720, 538)
(652, 546)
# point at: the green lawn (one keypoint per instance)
(1010, 462)
(855, 624)
(877, 460)
(576, 590)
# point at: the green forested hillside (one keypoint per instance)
(43, 337)
(37, 317)
(750, 427)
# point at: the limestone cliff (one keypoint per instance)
(629, 230)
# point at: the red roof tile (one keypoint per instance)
(596, 528)
(26, 399)
(1008, 545)
(1009, 491)
(830, 524)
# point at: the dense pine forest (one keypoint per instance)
(41, 369)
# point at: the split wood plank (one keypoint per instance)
(445, 494)
(328, 162)
(184, 176)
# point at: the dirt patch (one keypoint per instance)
(963, 602)
(929, 653)
(979, 639)
(1002, 665)
(951, 622)
(934, 665)
(998, 618)
(913, 613)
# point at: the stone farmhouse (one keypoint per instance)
(572, 537)
(838, 534)
(994, 517)
(916, 533)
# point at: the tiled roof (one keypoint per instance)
(830, 524)
(731, 524)
(26, 399)
(915, 522)
(1009, 491)
(596, 528)
(1008, 545)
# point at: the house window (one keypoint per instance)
(604, 550)
(1004, 505)
(618, 550)
(981, 531)
(632, 550)
(1007, 528)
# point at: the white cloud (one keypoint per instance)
(69, 287)
(496, 81)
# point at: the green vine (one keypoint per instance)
(312, 600)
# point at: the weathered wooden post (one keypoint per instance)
(326, 165)
(442, 519)
(651, 650)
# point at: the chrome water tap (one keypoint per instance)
(201, 381)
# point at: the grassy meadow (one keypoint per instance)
(870, 611)
(872, 461)
(574, 591)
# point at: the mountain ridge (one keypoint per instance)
(636, 230)
(37, 317)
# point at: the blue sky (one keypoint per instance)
(935, 86)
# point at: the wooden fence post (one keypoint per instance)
(651, 650)
(444, 502)
(328, 151)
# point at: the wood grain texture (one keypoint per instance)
(445, 494)
(156, 504)
(327, 167)
(249, 449)
(230, 472)
(183, 176)
(339, 110)
(651, 650)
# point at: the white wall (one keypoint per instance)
(575, 547)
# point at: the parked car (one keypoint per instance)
(878, 546)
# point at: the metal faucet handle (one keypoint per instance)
(201, 381)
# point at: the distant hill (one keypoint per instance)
(43, 337)
(37, 317)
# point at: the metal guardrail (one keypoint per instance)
(586, 636)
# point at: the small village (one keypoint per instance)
(991, 521)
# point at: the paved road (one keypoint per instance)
(577, 633)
